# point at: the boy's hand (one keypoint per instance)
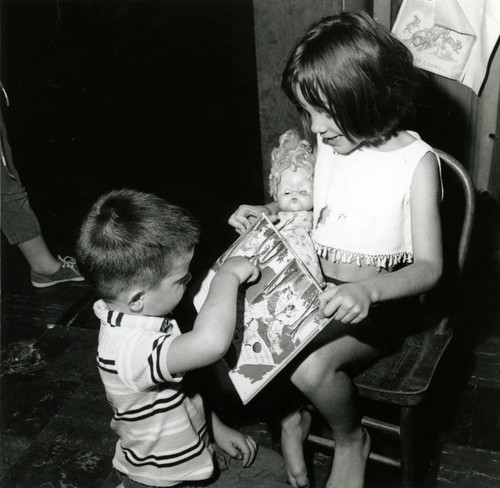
(245, 216)
(234, 443)
(348, 303)
(241, 268)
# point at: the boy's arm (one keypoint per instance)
(214, 326)
(234, 443)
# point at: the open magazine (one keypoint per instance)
(276, 315)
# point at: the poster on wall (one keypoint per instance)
(440, 38)
(452, 38)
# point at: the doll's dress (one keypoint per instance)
(296, 227)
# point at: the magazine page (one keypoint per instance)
(276, 315)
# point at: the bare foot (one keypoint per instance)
(294, 430)
(349, 461)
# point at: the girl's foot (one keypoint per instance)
(349, 461)
(294, 430)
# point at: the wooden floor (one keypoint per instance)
(55, 419)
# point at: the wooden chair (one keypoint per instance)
(403, 378)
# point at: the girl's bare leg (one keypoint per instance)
(294, 430)
(322, 380)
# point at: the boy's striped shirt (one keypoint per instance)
(163, 432)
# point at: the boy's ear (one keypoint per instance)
(135, 300)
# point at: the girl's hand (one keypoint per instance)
(240, 267)
(234, 443)
(348, 303)
(246, 215)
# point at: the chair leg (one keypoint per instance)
(408, 440)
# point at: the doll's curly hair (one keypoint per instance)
(292, 153)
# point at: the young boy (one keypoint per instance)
(135, 249)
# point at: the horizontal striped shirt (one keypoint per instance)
(163, 437)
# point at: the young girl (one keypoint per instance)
(377, 193)
(291, 186)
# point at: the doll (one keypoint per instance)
(291, 185)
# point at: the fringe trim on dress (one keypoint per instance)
(380, 261)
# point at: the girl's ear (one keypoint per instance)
(135, 300)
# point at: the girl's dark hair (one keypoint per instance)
(351, 68)
(132, 238)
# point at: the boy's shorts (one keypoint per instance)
(267, 471)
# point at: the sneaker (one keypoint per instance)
(67, 272)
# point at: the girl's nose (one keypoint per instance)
(318, 124)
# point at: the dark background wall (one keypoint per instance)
(158, 95)
(161, 95)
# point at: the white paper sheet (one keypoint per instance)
(453, 38)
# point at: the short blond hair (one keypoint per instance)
(292, 153)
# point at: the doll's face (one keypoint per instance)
(295, 191)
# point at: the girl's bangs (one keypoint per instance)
(311, 90)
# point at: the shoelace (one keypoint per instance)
(67, 262)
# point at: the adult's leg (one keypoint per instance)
(19, 222)
(39, 257)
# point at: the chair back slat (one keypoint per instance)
(457, 213)
(469, 205)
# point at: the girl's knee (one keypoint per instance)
(313, 372)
